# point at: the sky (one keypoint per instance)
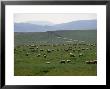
(56, 18)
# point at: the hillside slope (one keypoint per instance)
(55, 36)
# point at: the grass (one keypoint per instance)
(32, 65)
(41, 37)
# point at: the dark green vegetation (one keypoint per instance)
(42, 37)
(59, 53)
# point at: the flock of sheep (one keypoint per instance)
(36, 48)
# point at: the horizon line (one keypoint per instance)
(52, 22)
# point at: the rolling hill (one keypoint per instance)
(55, 36)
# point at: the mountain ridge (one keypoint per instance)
(73, 25)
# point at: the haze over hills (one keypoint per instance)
(42, 23)
(48, 26)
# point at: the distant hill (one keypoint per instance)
(55, 36)
(74, 25)
(27, 27)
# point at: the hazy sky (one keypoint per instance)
(54, 18)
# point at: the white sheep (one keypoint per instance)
(62, 61)
(38, 55)
(72, 55)
(45, 56)
(80, 54)
(68, 61)
(48, 62)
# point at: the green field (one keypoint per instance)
(30, 48)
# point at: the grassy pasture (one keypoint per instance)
(28, 63)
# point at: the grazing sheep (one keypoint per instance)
(64, 44)
(87, 62)
(38, 55)
(82, 41)
(92, 44)
(37, 47)
(48, 51)
(27, 45)
(33, 45)
(72, 55)
(45, 55)
(91, 62)
(47, 62)
(62, 61)
(83, 48)
(27, 54)
(68, 61)
(87, 48)
(66, 50)
(53, 49)
(58, 37)
(95, 61)
(80, 54)
(41, 50)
